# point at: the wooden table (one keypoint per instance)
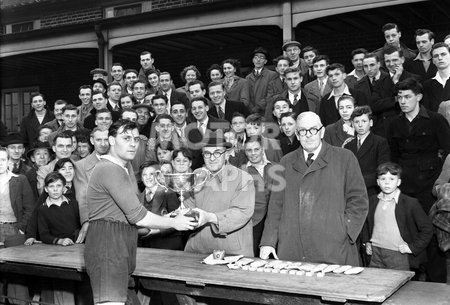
(181, 272)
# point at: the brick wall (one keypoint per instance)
(168, 4)
(73, 17)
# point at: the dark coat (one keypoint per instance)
(373, 152)
(435, 94)
(414, 225)
(335, 135)
(287, 146)
(230, 108)
(22, 200)
(162, 201)
(416, 67)
(320, 212)
(328, 111)
(29, 128)
(258, 86)
(383, 102)
(274, 89)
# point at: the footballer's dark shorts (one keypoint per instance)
(110, 257)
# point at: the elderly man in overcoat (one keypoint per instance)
(318, 216)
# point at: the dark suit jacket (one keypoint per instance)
(115, 114)
(167, 238)
(274, 88)
(285, 95)
(312, 93)
(328, 111)
(177, 96)
(22, 200)
(287, 146)
(383, 103)
(414, 225)
(258, 86)
(83, 170)
(416, 67)
(307, 78)
(29, 128)
(195, 137)
(230, 108)
(335, 135)
(435, 94)
(373, 152)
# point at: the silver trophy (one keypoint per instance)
(181, 183)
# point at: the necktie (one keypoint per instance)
(257, 73)
(149, 196)
(15, 168)
(116, 108)
(295, 99)
(221, 113)
(358, 144)
(321, 88)
(310, 160)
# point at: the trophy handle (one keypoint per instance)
(158, 175)
(204, 175)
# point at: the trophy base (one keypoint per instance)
(188, 212)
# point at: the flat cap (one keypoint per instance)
(291, 43)
(99, 71)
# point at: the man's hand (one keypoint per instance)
(31, 241)
(368, 248)
(82, 234)
(265, 251)
(205, 217)
(398, 73)
(183, 223)
(65, 242)
(404, 249)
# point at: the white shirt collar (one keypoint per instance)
(315, 152)
(49, 203)
(9, 175)
(440, 80)
(395, 195)
(346, 91)
(115, 161)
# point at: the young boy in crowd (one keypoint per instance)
(238, 126)
(370, 150)
(164, 151)
(397, 230)
(59, 224)
(255, 126)
(58, 217)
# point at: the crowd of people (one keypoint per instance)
(304, 163)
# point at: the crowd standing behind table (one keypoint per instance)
(315, 203)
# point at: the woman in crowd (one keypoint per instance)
(127, 101)
(189, 74)
(215, 73)
(236, 87)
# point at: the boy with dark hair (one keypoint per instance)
(255, 126)
(397, 230)
(370, 150)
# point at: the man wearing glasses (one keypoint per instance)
(225, 222)
(319, 214)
